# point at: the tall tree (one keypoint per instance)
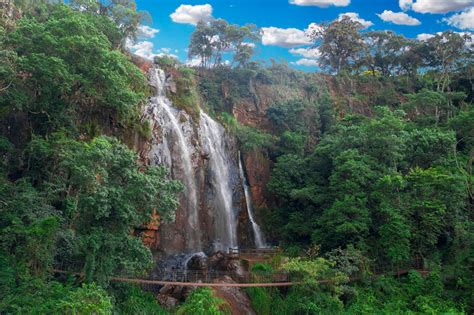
(340, 45)
(123, 12)
(384, 50)
(445, 53)
(211, 41)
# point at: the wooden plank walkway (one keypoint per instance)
(185, 284)
(423, 272)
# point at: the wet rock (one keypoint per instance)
(217, 260)
(174, 291)
(167, 301)
(237, 300)
(236, 267)
(198, 262)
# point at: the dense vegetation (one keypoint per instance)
(70, 196)
(372, 164)
(372, 173)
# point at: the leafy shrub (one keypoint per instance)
(203, 302)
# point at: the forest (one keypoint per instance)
(370, 163)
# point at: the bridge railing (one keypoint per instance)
(211, 276)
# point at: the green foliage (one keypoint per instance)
(287, 116)
(165, 61)
(364, 185)
(123, 13)
(250, 138)
(34, 296)
(88, 299)
(261, 299)
(211, 41)
(414, 295)
(133, 300)
(28, 226)
(71, 73)
(341, 44)
(203, 302)
(186, 96)
(101, 191)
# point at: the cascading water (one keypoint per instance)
(162, 112)
(220, 162)
(259, 239)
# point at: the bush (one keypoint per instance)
(133, 300)
(203, 302)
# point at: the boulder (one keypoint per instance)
(167, 301)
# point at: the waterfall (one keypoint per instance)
(162, 113)
(213, 138)
(257, 232)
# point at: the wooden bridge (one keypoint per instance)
(214, 278)
(217, 279)
(199, 278)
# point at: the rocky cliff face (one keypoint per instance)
(248, 99)
(199, 152)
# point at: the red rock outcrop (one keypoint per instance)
(142, 63)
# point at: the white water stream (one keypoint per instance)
(166, 116)
(213, 137)
(257, 232)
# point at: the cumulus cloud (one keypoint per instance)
(463, 20)
(310, 53)
(469, 37)
(405, 4)
(147, 31)
(284, 37)
(145, 50)
(314, 30)
(321, 3)
(355, 17)
(306, 62)
(399, 18)
(310, 56)
(192, 14)
(424, 36)
(435, 6)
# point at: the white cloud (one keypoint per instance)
(248, 44)
(399, 18)
(321, 3)
(314, 30)
(147, 31)
(424, 36)
(355, 17)
(463, 20)
(284, 37)
(145, 49)
(167, 55)
(405, 4)
(195, 62)
(310, 56)
(306, 62)
(469, 35)
(192, 14)
(310, 53)
(435, 6)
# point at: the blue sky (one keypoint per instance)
(285, 20)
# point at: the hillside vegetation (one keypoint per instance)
(371, 163)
